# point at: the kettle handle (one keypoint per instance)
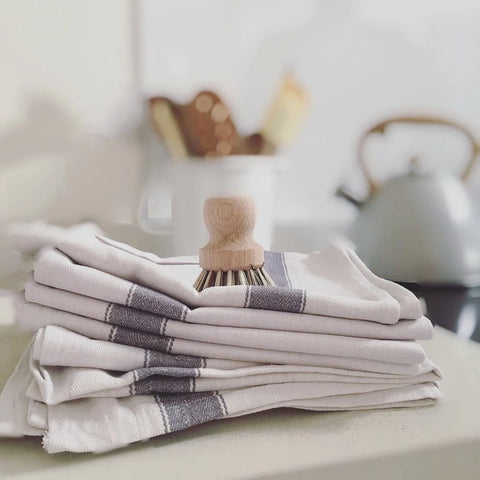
(381, 128)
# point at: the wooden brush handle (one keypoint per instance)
(230, 222)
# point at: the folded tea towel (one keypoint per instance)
(92, 424)
(97, 424)
(333, 282)
(59, 383)
(59, 346)
(126, 349)
(53, 385)
(137, 319)
(244, 344)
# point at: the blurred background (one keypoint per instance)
(77, 142)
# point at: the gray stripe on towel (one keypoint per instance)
(162, 384)
(133, 318)
(135, 338)
(155, 302)
(276, 298)
(160, 359)
(186, 410)
(276, 268)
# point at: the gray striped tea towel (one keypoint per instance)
(233, 343)
(172, 318)
(62, 347)
(103, 423)
(126, 349)
(61, 382)
(333, 282)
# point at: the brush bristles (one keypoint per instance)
(254, 276)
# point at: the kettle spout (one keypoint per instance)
(341, 192)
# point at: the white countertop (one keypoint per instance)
(430, 442)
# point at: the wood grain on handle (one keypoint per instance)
(230, 222)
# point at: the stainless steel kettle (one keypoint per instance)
(419, 227)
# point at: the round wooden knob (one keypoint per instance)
(230, 222)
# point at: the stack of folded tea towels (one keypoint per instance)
(125, 349)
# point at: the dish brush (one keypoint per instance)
(232, 256)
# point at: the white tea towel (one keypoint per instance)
(333, 282)
(228, 342)
(64, 384)
(59, 346)
(93, 424)
(99, 424)
(126, 349)
(137, 319)
(53, 385)
(56, 384)
(55, 380)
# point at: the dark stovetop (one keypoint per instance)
(455, 308)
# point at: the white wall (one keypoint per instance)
(71, 90)
(69, 102)
(359, 60)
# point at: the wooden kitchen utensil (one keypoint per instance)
(207, 126)
(162, 111)
(286, 115)
(231, 257)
